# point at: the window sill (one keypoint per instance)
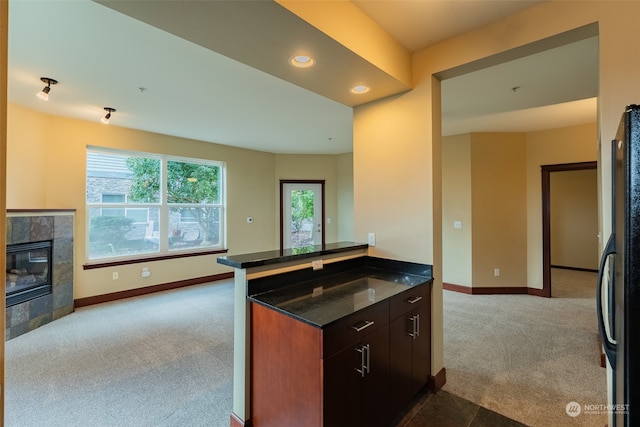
(113, 263)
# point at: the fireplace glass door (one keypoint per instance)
(28, 271)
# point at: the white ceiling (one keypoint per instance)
(162, 83)
(553, 88)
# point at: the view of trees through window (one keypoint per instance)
(145, 204)
(302, 210)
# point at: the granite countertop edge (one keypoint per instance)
(259, 259)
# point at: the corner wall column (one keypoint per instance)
(241, 350)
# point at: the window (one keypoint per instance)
(144, 204)
(138, 215)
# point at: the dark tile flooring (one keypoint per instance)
(444, 409)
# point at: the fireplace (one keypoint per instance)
(28, 271)
(39, 271)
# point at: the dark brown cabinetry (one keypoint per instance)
(286, 379)
(410, 339)
(360, 370)
(356, 378)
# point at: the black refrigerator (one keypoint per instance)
(618, 295)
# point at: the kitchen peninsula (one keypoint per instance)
(328, 336)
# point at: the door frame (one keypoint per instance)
(546, 216)
(300, 181)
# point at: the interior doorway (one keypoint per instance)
(546, 217)
(301, 213)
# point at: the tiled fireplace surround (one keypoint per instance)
(33, 226)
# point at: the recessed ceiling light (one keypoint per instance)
(302, 61)
(360, 89)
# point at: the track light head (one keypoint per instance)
(106, 118)
(44, 94)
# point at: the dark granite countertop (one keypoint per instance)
(278, 256)
(322, 301)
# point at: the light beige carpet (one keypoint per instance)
(165, 359)
(160, 360)
(527, 357)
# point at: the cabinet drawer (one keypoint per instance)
(353, 328)
(409, 300)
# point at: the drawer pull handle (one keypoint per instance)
(415, 326)
(362, 325)
(364, 360)
(414, 299)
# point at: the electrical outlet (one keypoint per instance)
(496, 272)
(115, 275)
(317, 264)
(145, 272)
(372, 239)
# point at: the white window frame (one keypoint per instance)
(107, 205)
(163, 206)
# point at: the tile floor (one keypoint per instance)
(444, 409)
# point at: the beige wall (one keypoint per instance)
(499, 206)
(456, 206)
(392, 178)
(345, 197)
(400, 135)
(552, 147)
(27, 134)
(574, 218)
(485, 177)
(54, 149)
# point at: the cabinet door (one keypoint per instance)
(375, 383)
(356, 383)
(410, 358)
(400, 362)
(342, 383)
(421, 350)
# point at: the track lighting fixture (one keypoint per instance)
(106, 118)
(44, 94)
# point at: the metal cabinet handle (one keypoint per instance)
(362, 357)
(412, 319)
(364, 360)
(414, 299)
(367, 366)
(415, 326)
(362, 325)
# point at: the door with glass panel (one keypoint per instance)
(301, 213)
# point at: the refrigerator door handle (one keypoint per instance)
(608, 343)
